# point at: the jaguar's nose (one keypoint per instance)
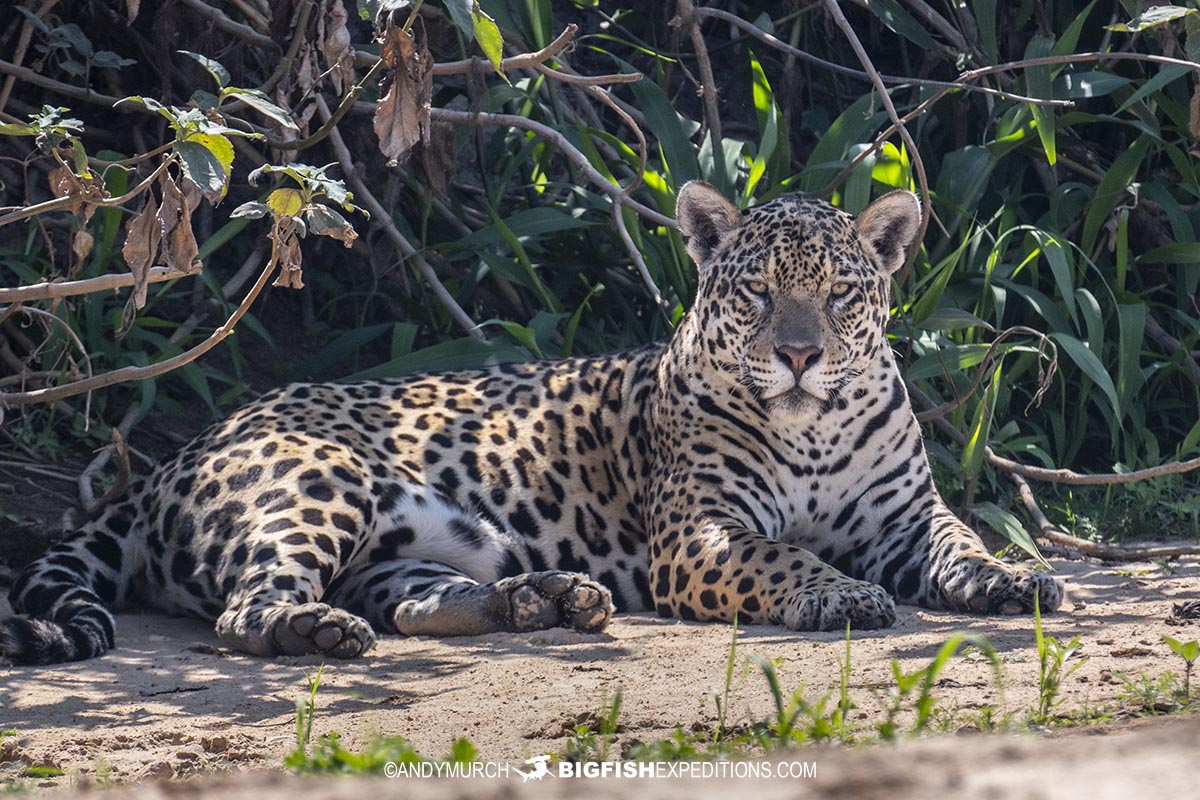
(798, 359)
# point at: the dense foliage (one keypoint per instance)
(1077, 221)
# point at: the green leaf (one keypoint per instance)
(487, 34)
(462, 13)
(17, 129)
(74, 34)
(1111, 190)
(981, 429)
(204, 164)
(1131, 319)
(464, 353)
(212, 66)
(262, 104)
(1151, 17)
(1175, 253)
(1169, 73)
(900, 22)
(1009, 527)
(251, 210)
(673, 131)
(285, 202)
(1040, 84)
(1090, 364)
(952, 319)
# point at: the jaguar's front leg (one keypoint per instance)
(930, 558)
(710, 568)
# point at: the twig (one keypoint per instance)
(779, 44)
(47, 291)
(708, 84)
(564, 145)
(65, 202)
(228, 25)
(22, 46)
(327, 127)
(1063, 476)
(148, 371)
(297, 39)
(914, 153)
(1107, 552)
(1044, 378)
(384, 218)
(522, 61)
(639, 262)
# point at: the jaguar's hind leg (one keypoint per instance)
(415, 596)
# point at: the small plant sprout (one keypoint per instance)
(1189, 652)
(916, 688)
(1052, 656)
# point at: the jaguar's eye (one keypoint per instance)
(840, 290)
(757, 287)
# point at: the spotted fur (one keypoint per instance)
(764, 462)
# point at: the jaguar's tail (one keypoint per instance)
(64, 597)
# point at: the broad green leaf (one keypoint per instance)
(672, 131)
(1111, 190)
(462, 14)
(262, 104)
(977, 441)
(487, 34)
(203, 167)
(1174, 253)
(1009, 527)
(1169, 73)
(17, 129)
(900, 22)
(854, 125)
(1131, 321)
(1039, 82)
(212, 66)
(985, 21)
(464, 353)
(952, 319)
(1155, 15)
(251, 210)
(285, 202)
(1089, 363)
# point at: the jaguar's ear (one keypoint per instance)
(888, 227)
(705, 218)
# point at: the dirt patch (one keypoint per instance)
(171, 701)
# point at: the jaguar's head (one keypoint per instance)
(793, 295)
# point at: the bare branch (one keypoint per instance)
(779, 44)
(384, 218)
(569, 150)
(914, 153)
(49, 290)
(1107, 552)
(238, 29)
(141, 373)
(1063, 476)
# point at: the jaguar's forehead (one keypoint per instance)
(797, 236)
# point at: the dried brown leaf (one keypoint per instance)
(64, 183)
(402, 115)
(437, 158)
(142, 238)
(175, 223)
(335, 47)
(285, 251)
(131, 10)
(81, 244)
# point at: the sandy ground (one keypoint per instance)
(171, 702)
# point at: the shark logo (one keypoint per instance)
(539, 769)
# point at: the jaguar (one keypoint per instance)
(763, 463)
